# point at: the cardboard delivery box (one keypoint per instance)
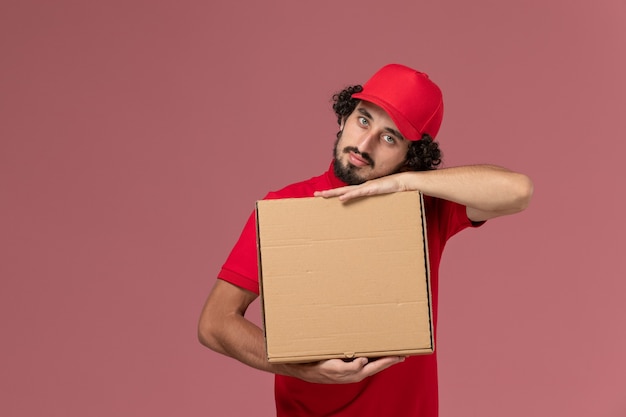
(341, 280)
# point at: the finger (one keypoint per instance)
(332, 192)
(342, 367)
(380, 364)
(325, 193)
(352, 194)
(364, 190)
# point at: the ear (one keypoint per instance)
(342, 124)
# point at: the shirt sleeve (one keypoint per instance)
(449, 217)
(241, 266)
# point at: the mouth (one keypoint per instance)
(358, 159)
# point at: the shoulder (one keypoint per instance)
(299, 189)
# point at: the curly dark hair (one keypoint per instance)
(423, 154)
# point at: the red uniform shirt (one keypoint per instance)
(405, 389)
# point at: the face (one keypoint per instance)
(369, 146)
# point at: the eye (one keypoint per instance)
(363, 121)
(389, 139)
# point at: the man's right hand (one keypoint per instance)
(338, 371)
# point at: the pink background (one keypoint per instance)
(136, 135)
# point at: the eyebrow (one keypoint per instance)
(367, 114)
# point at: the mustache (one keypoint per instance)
(363, 155)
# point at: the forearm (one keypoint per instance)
(238, 338)
(483, 187)
(486, 191)
(231, 334)
(242, 340)
(224, 329)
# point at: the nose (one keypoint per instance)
(366, 142)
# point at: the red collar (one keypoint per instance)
(332, 178)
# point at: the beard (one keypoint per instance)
(348, 173)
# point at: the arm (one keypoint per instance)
(224, 329)
(487, 191)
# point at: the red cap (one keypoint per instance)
(410, 98)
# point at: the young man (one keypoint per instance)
(384, 145)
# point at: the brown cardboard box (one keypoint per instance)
(341, 280)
